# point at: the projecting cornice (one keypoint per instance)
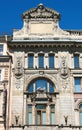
(40, 43)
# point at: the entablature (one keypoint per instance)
(45, 43)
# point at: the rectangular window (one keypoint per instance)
(1, 49)
(52, 115)
(29, 109)
(80, 118)
(43, 117)
(51, 61)
(76, 61)
(30, 60)
(77, 84)
(41, 61)
(41, 114)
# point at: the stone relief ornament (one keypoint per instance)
(66, 119)
(18, 67)
(16, 120)
(64, 71)
(18, 83)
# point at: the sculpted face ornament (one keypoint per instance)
(63, 69)
(18, 68)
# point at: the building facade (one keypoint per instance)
(41, 74)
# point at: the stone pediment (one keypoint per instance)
(41, 12)
(40, 22)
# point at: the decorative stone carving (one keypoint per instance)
(41, 12)
(18, 67)
(64, 71)
(4, 103)
(17, 120)
(18, 83)
(66, 119)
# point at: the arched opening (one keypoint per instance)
(40, 102)
(41, 84)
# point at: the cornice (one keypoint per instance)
(41, 43)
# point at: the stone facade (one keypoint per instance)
(37, 88)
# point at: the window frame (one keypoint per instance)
(41, 61)
(78, 84)
(30, 60)
(29, 111)
(76, 61)
(52, 110)
(50, 58)
(1, 50)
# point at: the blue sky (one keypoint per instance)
(11, 12)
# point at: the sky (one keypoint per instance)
(11, 13)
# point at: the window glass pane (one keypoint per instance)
(41, 61)
(52, 118)
(80, 106)
(51, 61)
(80, 118)
(30, 88)
(43, 117)
(77, 84)
(76, 61)
(51, 88)
(41, 84)
(52, 107)
(38, 117)
(40, 106)
(1, 49)
(30, 60)
(29, 109)
(29, 118)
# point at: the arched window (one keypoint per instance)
(80, 114)
(39, 93)
(44, 84)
